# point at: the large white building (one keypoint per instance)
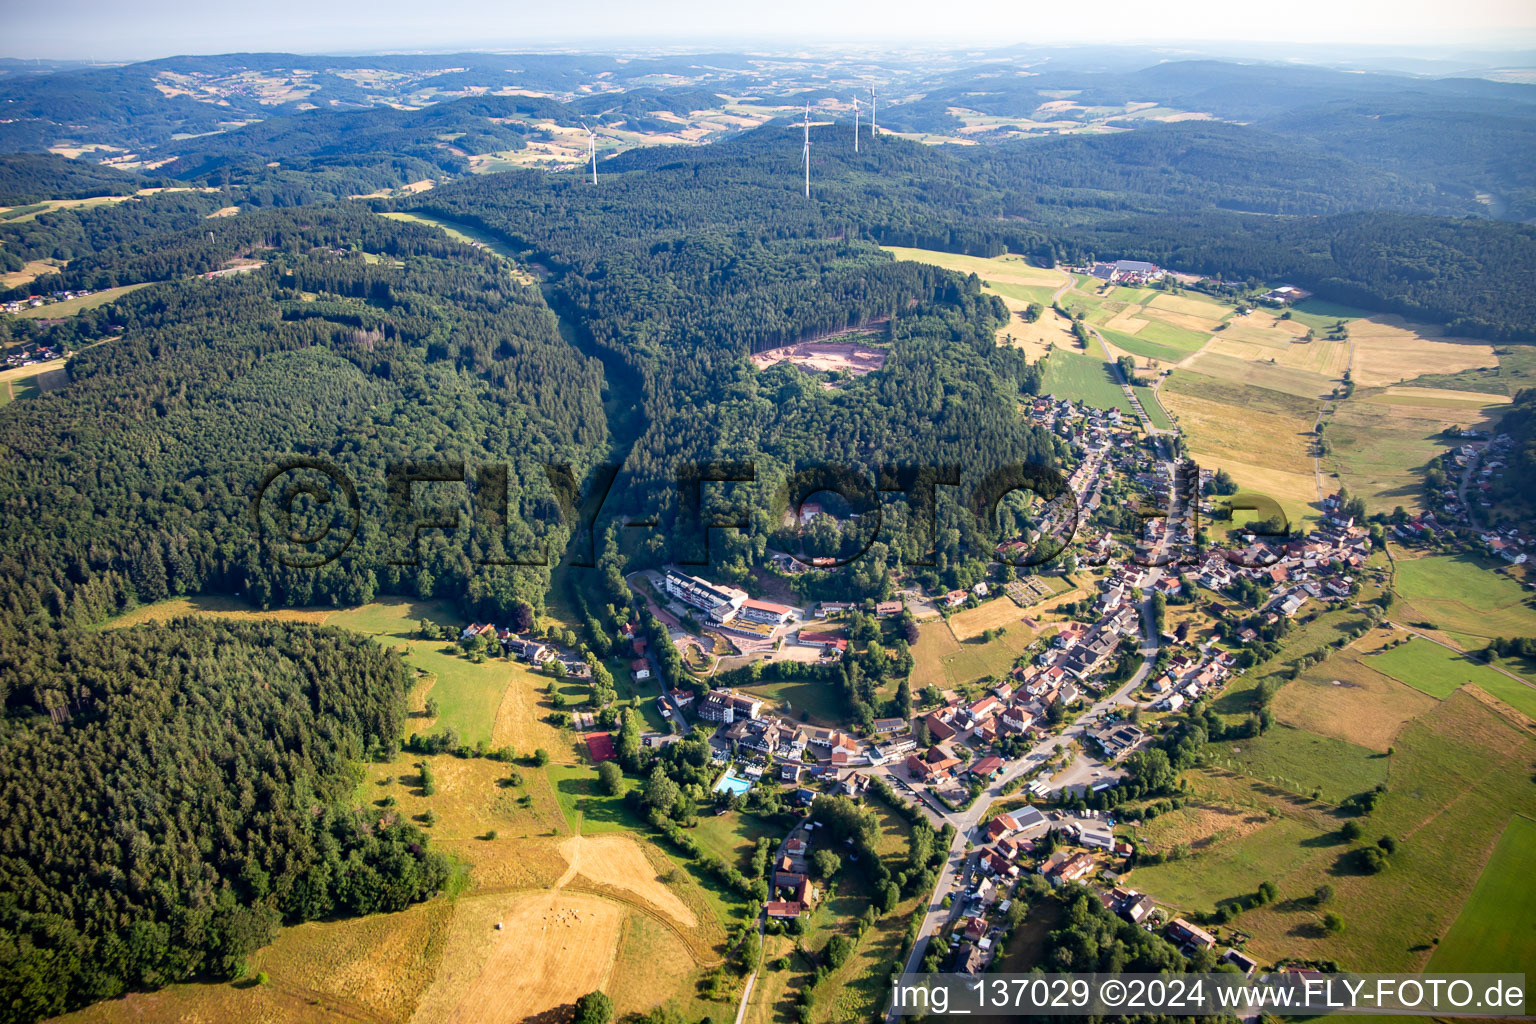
(720, 603)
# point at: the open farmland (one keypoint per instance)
(1462, 594)
(1432, 669)
(1380, 442)
(1348, 699)
(1389, 349)
(1484, 931)
(1262, 437)
(1083, 378)
(1459, 772)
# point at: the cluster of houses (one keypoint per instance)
(533, 651)
(1126, 272)
(27, 355)
(34, 301)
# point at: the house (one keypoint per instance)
(1002, 825)
(886, 726)
(826, 641)
(1028, 817)
(789, 772)
(1186, 934)
(938, 729)
(1241, 961)
(969, 960)
(987, 767)
(640, 669)
(783, 910)
(1135, 907)
(1070, 868)
(887, 608)
(856, 784)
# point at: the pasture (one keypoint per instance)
(1346, 699)
(1381, 442)
(1389, 349)
(942, 660)
(1231, 867)
(69, 307)
(1432, 669)
(1262, 437)
(1083, 378)
(1493, 931)
(1458, 768)
(1463, 594)
(1303, 762)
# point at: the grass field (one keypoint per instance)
(586, 808)
(1153, 408)
(1381, 442)
(1231, 868)
(1347, 699)
(1464, 594)
(942, 660)
(1432, 669)
(1493, 930)
(1389, 349)
(813, 701)
(1261, 436)
(1304, 762)
(69, 307)
(1083, 378)
(1459, 772)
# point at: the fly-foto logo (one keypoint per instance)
(307, 512)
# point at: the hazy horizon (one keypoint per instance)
(72, 30)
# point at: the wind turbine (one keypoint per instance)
(592, 150)
(805, 155)
(874, 129)
(855, 122)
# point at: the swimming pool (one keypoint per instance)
(729, 782)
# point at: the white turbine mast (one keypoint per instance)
(592, 150)
(874, 129)
(805, 155)
(855, 122)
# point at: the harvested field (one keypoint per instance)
(1389, 349)
(824, 357)
(551, 949)
(615, 859)
(1000, 613)
(1345, 699)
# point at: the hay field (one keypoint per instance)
(1261, 436)
(1462, 594)
(1219, 361)
(1347, 700)
(1381, 442)
(69, 307)
(1459, 773)
(615, 859)
(552, 948)
(1039, 338)
(215, 607)
(1000, 613)
(1486, 932)
(1007, 269)
(1389, 349)
(29, 273)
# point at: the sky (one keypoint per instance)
(111, 30)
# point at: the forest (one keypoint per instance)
(176, 792)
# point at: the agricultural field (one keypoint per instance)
(944, 661)
(813, 701)
(998, 613)
(1482, 934)
(1304, 763)
(1380, 441)
(1432, 669)
(1389, 350)
(69, 307)
(1462, 594)
(1227, 867)
(1261, 436)
(1352, 699)
(1459, 772)
(1083, 378)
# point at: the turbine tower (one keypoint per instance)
(805, 155)
(874, 129)
(592, 150)
(855, 122)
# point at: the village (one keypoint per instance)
(1018, 765)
